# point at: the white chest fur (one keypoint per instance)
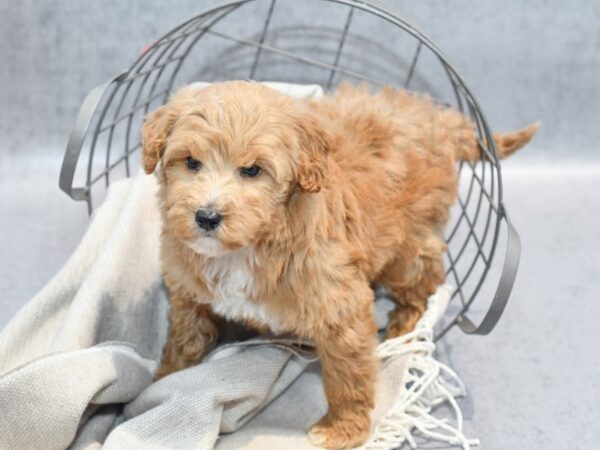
(231, 281)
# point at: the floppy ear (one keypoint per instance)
(312, 163)
(155, 131)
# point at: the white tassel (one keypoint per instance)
(426, 383)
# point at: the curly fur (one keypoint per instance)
(354, 190)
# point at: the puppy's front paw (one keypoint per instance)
(340, 433)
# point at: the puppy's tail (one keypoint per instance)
(467, 148)
(508, 143)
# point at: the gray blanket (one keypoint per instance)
(77, 362)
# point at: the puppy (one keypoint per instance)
(282, 214)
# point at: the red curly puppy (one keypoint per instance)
(281, 214)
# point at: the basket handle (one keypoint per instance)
(505, 285)
(77, 137)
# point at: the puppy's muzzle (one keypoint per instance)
(208, 218)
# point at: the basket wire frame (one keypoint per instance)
(112, 115)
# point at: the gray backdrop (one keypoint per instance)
(533, 383)
(524, 60)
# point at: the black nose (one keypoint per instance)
(208, 218)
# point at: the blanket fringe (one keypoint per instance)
(427, 383)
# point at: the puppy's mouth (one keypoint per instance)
(207, 244)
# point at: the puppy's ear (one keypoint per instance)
(312, 163)
(155, 131)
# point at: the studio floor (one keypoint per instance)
(533, 383)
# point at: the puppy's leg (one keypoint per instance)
(411, 283)
(349, 365)
(193, 332)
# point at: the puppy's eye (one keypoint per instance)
(192, 164)
(250, 172)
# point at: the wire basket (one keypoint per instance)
(283, 40)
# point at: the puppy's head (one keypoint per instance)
(232, 155)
